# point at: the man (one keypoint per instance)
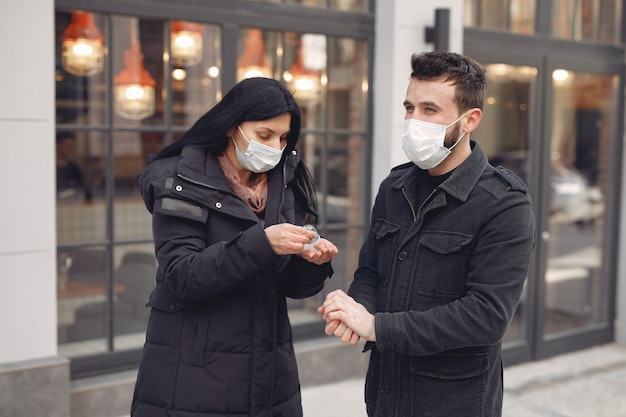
(69, 175)
(442, 269)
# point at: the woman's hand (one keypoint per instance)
(320, 253)
(288, 239)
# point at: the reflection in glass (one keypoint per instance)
(503, 135)
(134, 277)
(196, 88)
(580, 181)
(347, 5)
(80, 96)
(517, 16)
(100, 247)
(594, 20)
(81, 159)
(82, 47)
(347, 83)
(81, 298)
(185, 43)
(304, 77)
(132, 151)
(252, 60)
(134, 86)
(336, 159)
(81, 220)
(350, 5)
(138, 68)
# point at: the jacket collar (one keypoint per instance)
(462, 180)
(196, 165)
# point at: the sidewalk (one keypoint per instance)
(587, 383)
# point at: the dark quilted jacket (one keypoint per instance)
(219, 340)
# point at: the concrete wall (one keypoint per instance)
(27, 220)
(33, 380)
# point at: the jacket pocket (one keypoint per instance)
(443, 263)
(450, 365)
(386, 234)
(452, 384)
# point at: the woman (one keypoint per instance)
(228, 201)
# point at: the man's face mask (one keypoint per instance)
(423, 142)
(258, 157)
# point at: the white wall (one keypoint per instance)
(27, 205)
(400, 28)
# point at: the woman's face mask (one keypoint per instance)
(423, 142)
(258, 157)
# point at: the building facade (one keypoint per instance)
(116, 81)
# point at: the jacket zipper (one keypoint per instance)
(406, 197)
(197, 182)
(426, 200)
(209, 186)
(416, 215)
(274, 347)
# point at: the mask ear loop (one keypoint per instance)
(460, 117)
(462, 134)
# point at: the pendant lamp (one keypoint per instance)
(82, 46)
(304, 76)
(252, 62)
(134, 87)
(185, 43)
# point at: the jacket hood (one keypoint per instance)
(195, 165)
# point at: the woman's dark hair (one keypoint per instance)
(252, 99)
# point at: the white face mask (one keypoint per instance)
(258, 157)
(423, 142)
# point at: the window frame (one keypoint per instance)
(230, 15)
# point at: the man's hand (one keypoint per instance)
(345, 318)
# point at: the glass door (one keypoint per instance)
(505, 134)
(578, 193)
(560, 139)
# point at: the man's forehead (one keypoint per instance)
(433, 93)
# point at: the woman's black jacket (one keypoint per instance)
(219, 340)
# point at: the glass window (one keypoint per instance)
(258, 54)
(503, 135)
(580, 183)
(587, 20)
(137, 70)
(81, 71)
(346, 5)
(164, 75)
(104, 236)
(195, 72)
(517, 16)
(81, 181)
(328, 78)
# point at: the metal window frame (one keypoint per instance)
(230, 15)
(547, 53)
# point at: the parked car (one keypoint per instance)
(572, 198)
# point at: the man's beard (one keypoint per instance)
(452, 136)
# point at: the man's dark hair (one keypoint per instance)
(61, 136)
(466, 74)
